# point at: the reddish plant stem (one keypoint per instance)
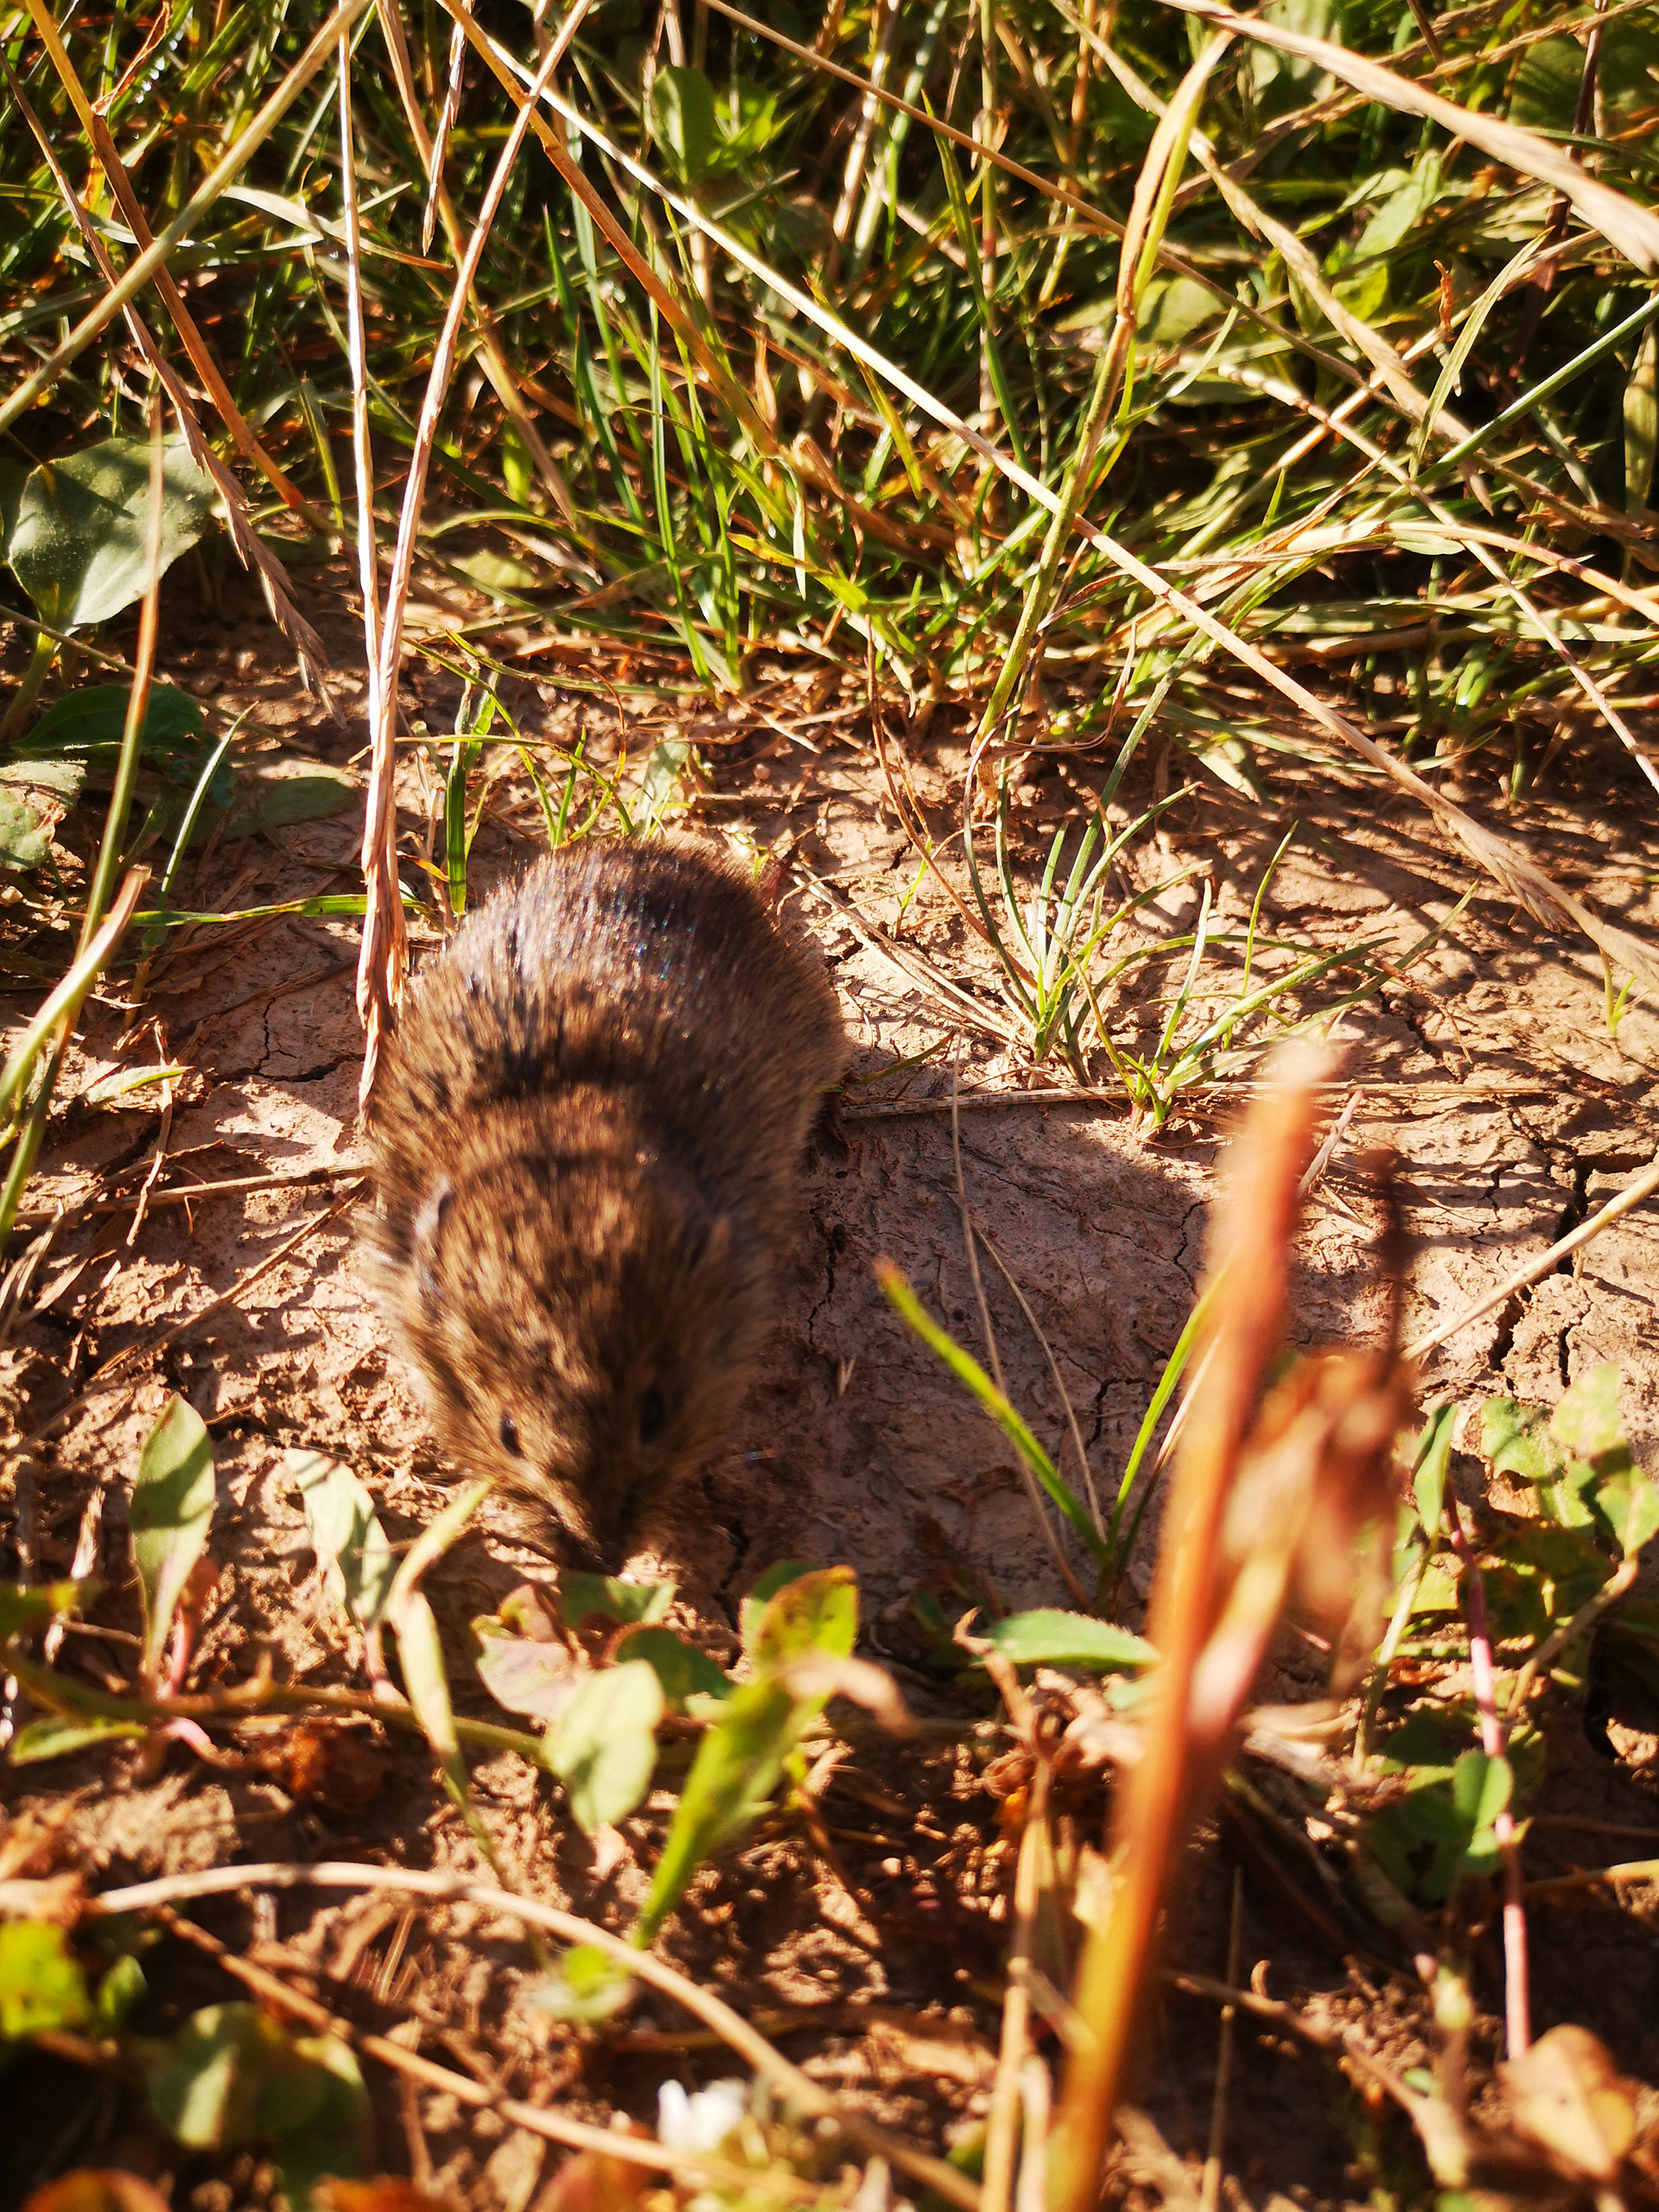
(1494, 1741)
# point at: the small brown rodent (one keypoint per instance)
(585, 1138)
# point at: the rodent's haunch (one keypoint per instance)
(585, 1138)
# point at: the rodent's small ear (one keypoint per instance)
(429, 1231)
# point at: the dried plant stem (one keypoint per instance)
(1210, 2188)
(1625, 224)
(141, 269)
(691, 2166)
(1253, 1235)
(1002, 2123)
(1638, 1188)
(805, 2093)
(508, 387)
(98, 136)
(1512, 867)
(381, 969)
(250, 548)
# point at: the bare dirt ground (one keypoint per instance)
(1492, 1072)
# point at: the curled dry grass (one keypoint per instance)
(758, 360)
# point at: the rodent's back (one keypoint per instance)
(585, 1135)
(647, 970)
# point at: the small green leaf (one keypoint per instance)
(172, 1507)
(668, 785)
(281, 792)
(1545, 93)
(24, 839)
(356, 1558)
(499, 574)
(538, 1675)
(738, 1766)
(813, 1612)
(54, 1737)
(606, 1597)
(1438, 1591)
(41, 1986)
(586, 1985)
(91, 722)
(682, 119)
(683, 1670)
(1641, 423)
(203, 2082)
(426, 1680)
(420, 1650)
(768, 1587)
(603, 1747)
(1628, 1504)
(1481, 1788)
(1516, 1439)
(80, 545)
(118, 1991)
(231, 2076)
(1049, 1638)
(1429, 1464)
(22, 1605)
(1588, 1420)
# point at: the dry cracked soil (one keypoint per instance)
(1488, 1066)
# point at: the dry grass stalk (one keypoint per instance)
(1268, 1494)
(800, 2089)
(380, 970)
(251, 549)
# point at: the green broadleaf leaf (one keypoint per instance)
(57, 1737)
(1429, 1464)
(682, 119)
(231, 2076)
(737, 1768)
(1517, 1441)
(90, 721)
(1050, 1637)
(1481, 1788)
(683, 1670)
(41, 1986)
(282, 792)
(538, 1675)
(121, 1988)
(31, 792)
(586, 1985)
(1588, 1420)
(172, 1509)
(606, 1597)
(358, 1562)
(80, 546)
(426, 1680)
(23, 1603)
(1545, 89)
(603, 1746)
(24, 843)
(1628, 1504)
(813, 1612)
(765, 1588)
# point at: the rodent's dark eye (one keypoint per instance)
(653, 1415)
(510, 1437)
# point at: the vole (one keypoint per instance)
(585, 1139)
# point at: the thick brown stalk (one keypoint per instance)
(1252, 1251)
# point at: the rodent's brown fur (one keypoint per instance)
(586, 1136)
